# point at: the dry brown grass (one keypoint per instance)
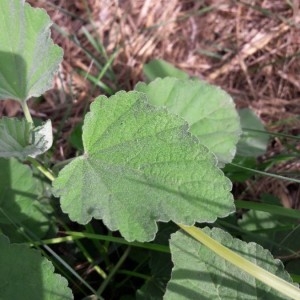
(249, 47)
(251, 54)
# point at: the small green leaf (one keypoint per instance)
(18, 138)
(199, 273)
(20, 208)
(26, 275)
(237, 174)
(75, 138)
(209, 111)
(278, 234)
(28, 57)
(140, 166)
(160, 68)
(252, 143)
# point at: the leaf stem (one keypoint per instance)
(113, 271)
(26, 112)
(270, 208)
(112, 239)
(70, 269)
(266, 173)
(259, 273)
(41, 168)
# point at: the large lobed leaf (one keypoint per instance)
(140, 166)
(20, 209)
(209, 111)
(26, 275)
(19, 138)
(199, 273)
(28, 57)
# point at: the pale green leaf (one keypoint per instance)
(161, 68)
(278, 234)
(199, 273)
(254, 140)
(140, 165)
(209, 111)
(20, 208)
(41, 138)
(28, 57)
(25, 274)
(19, 138)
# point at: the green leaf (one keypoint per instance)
(160, 265)
(20, 207)
(18, 138)
(199, 273)
(237, 174)
(209, 111)
(264, 227)
(28, 57)
(278, 234)
(160, 68)
(140, 165)
(26, 275)
(252, 143)
(75, 138)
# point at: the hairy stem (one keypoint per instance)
(112, 272)
(42, 168)
(26, 112)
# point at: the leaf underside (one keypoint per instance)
(140, 166)
(20, 139)
(199, 273)
(28, 57)
(209, 111)
(25, 274)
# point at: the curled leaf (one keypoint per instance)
(19, 138)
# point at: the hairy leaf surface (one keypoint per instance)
(140, 166)
(199, 273)
(25, 274)
(20, 209)
(28, 57)
(20, 139)
(209, 111)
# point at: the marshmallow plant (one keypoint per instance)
(152, 155)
